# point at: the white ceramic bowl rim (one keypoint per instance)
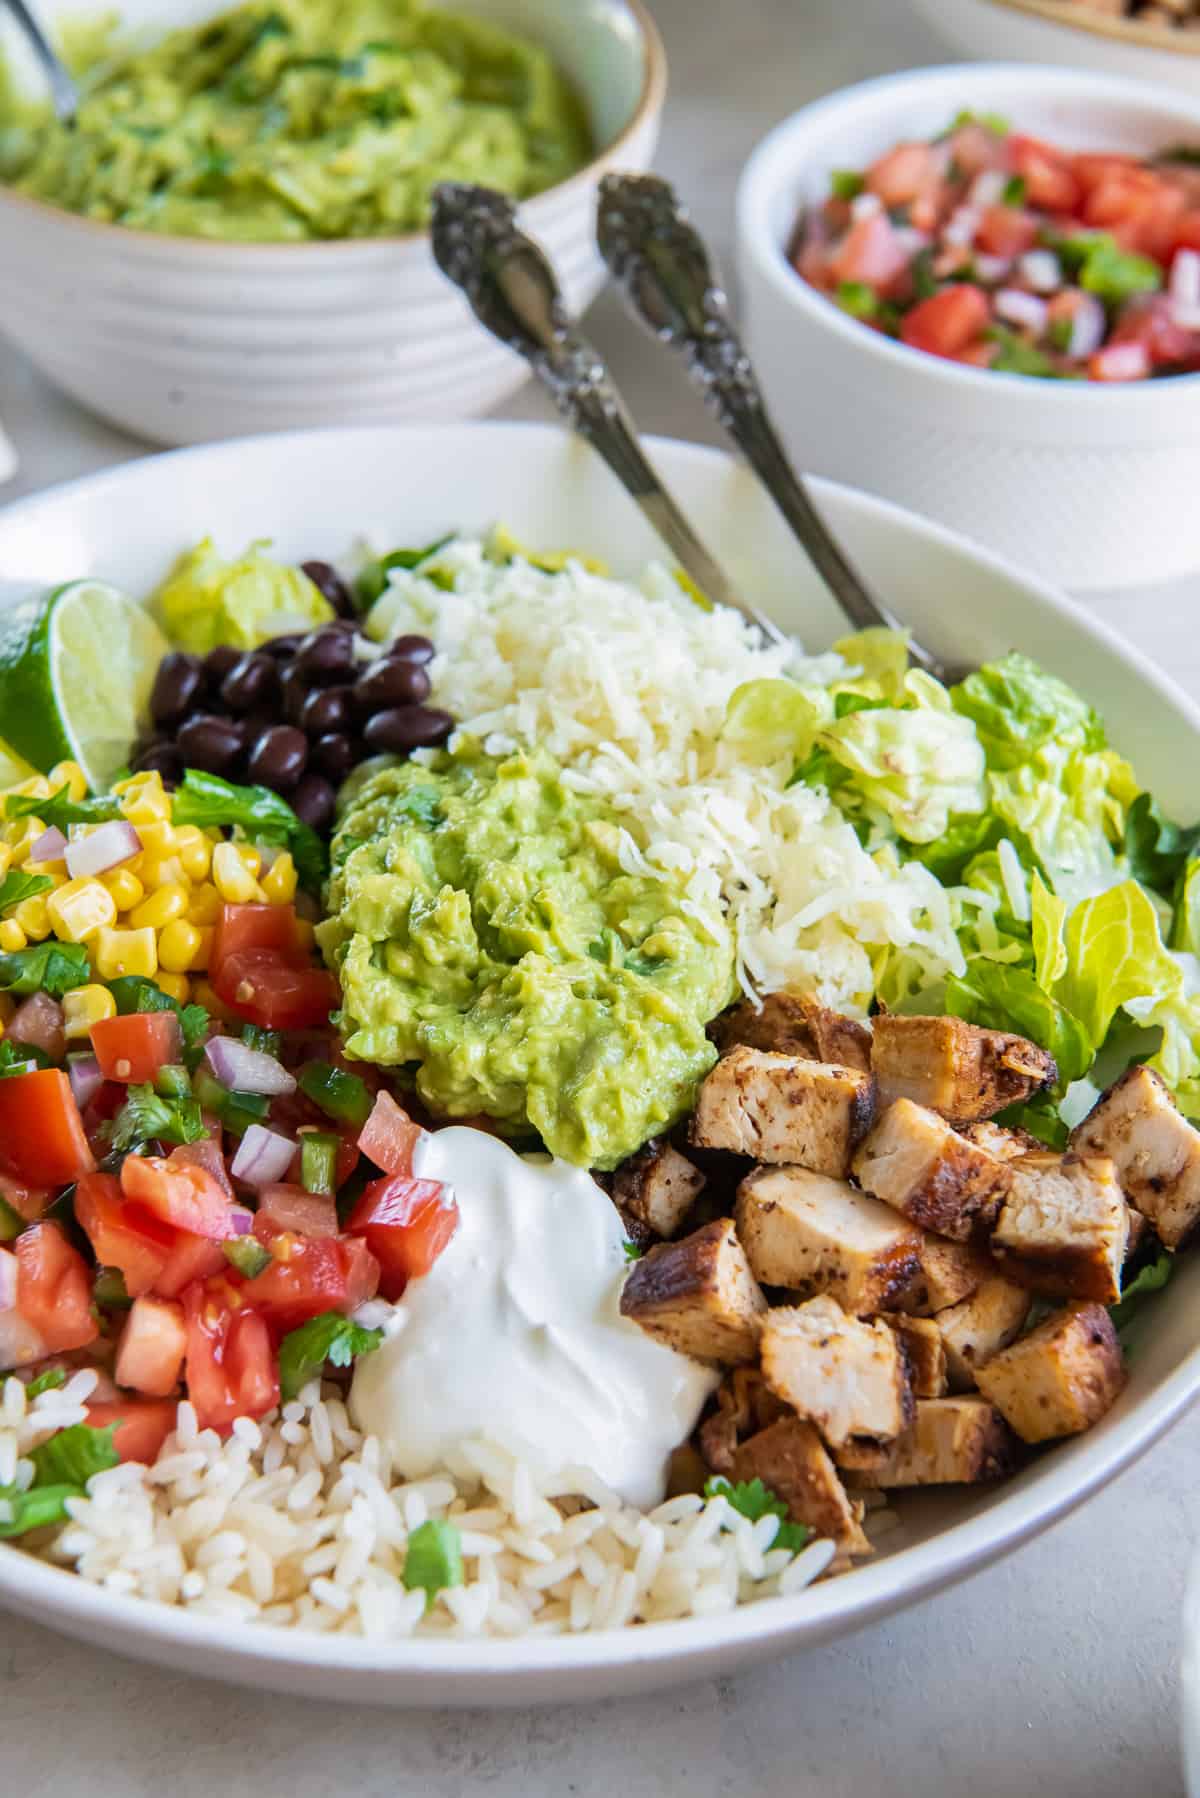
(775, 159)
(650, 100)
(1129, 31)
(856, 1599)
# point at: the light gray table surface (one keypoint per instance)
(1054, 1672)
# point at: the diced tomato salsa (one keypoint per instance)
(1001, 251)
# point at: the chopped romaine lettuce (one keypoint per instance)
(1018, 708)
(770, 720)
(206, 600)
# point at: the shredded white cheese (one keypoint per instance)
(627, 686)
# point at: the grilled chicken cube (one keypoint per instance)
(789, 1024)
(922, 1342)
(1138, 1226)
(745, 1404)
(654, 1191)
(790, 1458)
(781, 1109)
(848, 1377)
(978, 1328)
(952, 1442)
(1061, 1378)
(999, 1140)
(1064, 1226)
(916, 1163)
(1155, 1150)
(950, 1272)
(955, 1068)
(813, 1234)
(698, 1296)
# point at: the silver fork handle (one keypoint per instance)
(64, 94)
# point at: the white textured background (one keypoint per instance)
(1054, 1673)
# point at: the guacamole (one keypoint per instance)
(487, 937)
(299, 119)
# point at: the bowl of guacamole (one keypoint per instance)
(231, 237)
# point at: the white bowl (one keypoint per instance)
(1189, 1692)
(313, 494)
(1091, 485)
(1022, 29)
(181, 339)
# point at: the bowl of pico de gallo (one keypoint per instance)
(978, 288)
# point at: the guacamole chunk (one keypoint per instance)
(299, 119)
(487, 936)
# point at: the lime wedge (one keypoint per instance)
(76, 669)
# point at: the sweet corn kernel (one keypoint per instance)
(85, 1006)
(233, 879)
(170, 901)
(178, 942)
(194, 850)
(160, 871)
(144, 799)
(279, 883)
(200, 959)
(12, 937)
(126, 952)
(53, 870)
(5, 859)
(70, 775)
(79, 909)
(158, 838)
(34, 918)
(125, 887)
(204, 993)
(205, 907)
(250, 858)
(36, 787)
(22, 836)
(176, 986)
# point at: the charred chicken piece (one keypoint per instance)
(916, 1163)
(922, 1343)
(980, 1326)
(813, 1234)
(952, 1442)
(744, 1405)
(790, 1458)
(1154, 1149)
(781, 1109)
(1064, 1227)
(956, 1068)
(655, 1190)
(950, 1272)
(847, 1377)
(788, 1024)
(1061, 1378)
(698, 1296)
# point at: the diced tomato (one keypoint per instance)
(191, 1258)
(287, 1207)
(1151, 322)
(389, 1136)
(977, 355)
(242, 927)
(903, 173)
(973, 148)
(1050, 181)
(231, 1366)
(143, 1425)
(123, 1236)
(152, 1346)
(309, 1275)
(264, 987)
(54, 1287)
(182, 1194)
(949, 321)
(205, 1153)
(133, 1049)
(872, 253)
(1006, 231)
(1091, 167)
(1120, 362)
(1187, 232)
(28, 1201)
(41, 1129)
(406, 1223)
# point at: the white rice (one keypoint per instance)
(309, 1529)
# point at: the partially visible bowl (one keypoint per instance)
(1063, 31)
(184, 339)
(1092, 485)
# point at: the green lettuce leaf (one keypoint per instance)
(880, 658)
(1115, 953)
(1003, 997)
(206, 600)
(72, 1456)
(1157, 850)
(768, 720)
(919, 765)
(1018, 709)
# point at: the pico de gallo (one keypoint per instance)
(993, 248)
(198, 1196)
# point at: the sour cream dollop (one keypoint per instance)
(515, 1334)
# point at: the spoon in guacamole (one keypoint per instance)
(64, 95)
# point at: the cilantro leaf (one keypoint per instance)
(1151, 1279)
(21, 1512)
(373, 577)
(15, 1057)
(45, 1382)
(268, 1042)
(49, 967)
(147, 1117)
(60, 809)
(632, 1251)
(17, 886)
(751, 1499)
(330, 1337)
(73, 1455)
(434, 1559)
(847, 184)
(207, 800)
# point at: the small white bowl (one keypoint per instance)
(181, 340)
(1092, 485)
(1046, 31)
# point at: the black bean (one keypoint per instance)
(284, 648)
(176, 684)
(251, 683)
(160, 758)
(326, 657)
(279, 757)
(411, 649)
(214, 744)
(257, 722)
(388, 684)
(294, 691)
(217, 664)
(313, 802)
(407, 727)
(329, 583)
(325, 710)
(333, 755)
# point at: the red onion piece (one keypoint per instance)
(1185, 279)
(51, 846)
(105, 847)
(1088, 327)
(83, 1071)
(246, 1070)
(1042, 269)
(1023, 309)
(8, 1280)
(38, 1021)
(241, 1222)
(263, 1157)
